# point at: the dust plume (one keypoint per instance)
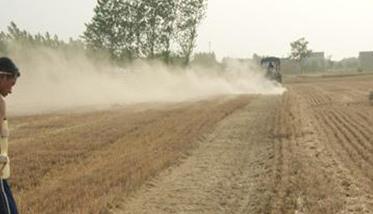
(51, 81)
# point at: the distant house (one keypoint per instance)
(366, 60)
(205, 59)
(351, 63)
(289, 66)
(314, 62)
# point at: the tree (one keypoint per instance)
(128, 44)
(3, 46)
(120, 26)
(139, 20)
(18, 39)
(102, 32)
(153, 20)
(299, 50)
(168, 13)
(190, 14)
(143, 28)
(159, 27)
(18, 35)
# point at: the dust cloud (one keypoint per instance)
(51, 81)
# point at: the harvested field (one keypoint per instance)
(76, 163)
(309, 150)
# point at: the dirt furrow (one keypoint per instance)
(286, 199)
(359, 132)
(364, 126)
(341, 139)
(333, 153)
(352, 140)
(349, 143)
(352, 184)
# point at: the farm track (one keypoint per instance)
(226, 174)
(309, 150)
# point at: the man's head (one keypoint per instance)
(8, 75)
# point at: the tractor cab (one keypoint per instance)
(272, 67)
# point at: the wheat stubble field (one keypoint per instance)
(309, 150)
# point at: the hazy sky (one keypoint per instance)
(237, 28)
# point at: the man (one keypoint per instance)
(8, 77)
(270, 70)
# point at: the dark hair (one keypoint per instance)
(8, 66)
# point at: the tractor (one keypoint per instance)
(272, 68)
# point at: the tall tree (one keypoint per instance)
(299, 51)
(143, 28)
(127, 46)
(168, 12)
(139, 27)
(190, 15)
(152, 25)
(103, 30)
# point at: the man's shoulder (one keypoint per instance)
(2, 104)
(2, 100)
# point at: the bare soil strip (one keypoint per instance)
(226, 174)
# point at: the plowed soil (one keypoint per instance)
(309, 150)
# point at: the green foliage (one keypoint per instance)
(130, 29)
(168, 12)
(299, 50)
(123, 30)
(190, 14)
(102, 32)
(17, 39)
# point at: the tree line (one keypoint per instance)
(126, 30)
(161, 29)
(129, 29)
(18, 37)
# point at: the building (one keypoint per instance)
(289, 66)
(366, 60)
(314, 62)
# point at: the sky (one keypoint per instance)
(234, 28)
